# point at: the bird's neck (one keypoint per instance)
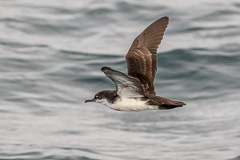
(112, 96)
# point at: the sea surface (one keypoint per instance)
(51, 53)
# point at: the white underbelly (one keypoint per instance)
(131, 104)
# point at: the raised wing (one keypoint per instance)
(142, 56)
(126, 86)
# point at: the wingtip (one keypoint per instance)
(165, 18)
(103, 69)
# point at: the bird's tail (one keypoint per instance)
(164, 103)
(172, 105)
(169, 104)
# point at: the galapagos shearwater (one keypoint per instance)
(135, 90)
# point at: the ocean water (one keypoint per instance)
(51, 53)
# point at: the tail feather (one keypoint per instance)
(178, 103)
(164, 103)
(173, 104)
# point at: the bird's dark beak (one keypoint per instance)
(91, 100)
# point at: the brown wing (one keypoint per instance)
(142, 56)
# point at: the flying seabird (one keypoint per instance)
(135, 90)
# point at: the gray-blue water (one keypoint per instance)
(51, 53)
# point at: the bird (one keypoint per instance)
(135, 91)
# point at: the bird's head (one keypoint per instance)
(103, 97)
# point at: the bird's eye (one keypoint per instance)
(96, 97)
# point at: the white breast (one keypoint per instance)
(131, 104)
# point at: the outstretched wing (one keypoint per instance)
(127, 86)
(142, 56)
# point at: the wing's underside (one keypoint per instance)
(126, 86)
(142, 56)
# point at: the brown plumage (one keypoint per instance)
(135, 91)
(142, 56)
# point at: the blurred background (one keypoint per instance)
(51, 53)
